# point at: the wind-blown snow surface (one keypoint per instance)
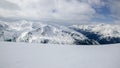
(22, 55)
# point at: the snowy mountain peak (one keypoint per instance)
(105, 30)
(37, 32)
(103, 33)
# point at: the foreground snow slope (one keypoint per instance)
(22, 55)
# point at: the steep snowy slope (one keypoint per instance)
(37, 32)
(25, 55)
(103, 33)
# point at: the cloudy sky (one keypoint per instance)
(70, 11)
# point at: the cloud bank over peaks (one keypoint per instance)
(75, 10)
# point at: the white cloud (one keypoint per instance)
(69, 10)
(97, 3)
(58, 9)
(8, 9)
(115, 8)
(8, 5)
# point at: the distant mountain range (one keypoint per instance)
(102, 33)
(38, 32)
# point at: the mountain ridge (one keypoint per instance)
(103, 33)
(40, 32)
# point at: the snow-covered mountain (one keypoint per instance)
(102, 33)
(40, 32)
(37, 32)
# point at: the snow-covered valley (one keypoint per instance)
(27, 55)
